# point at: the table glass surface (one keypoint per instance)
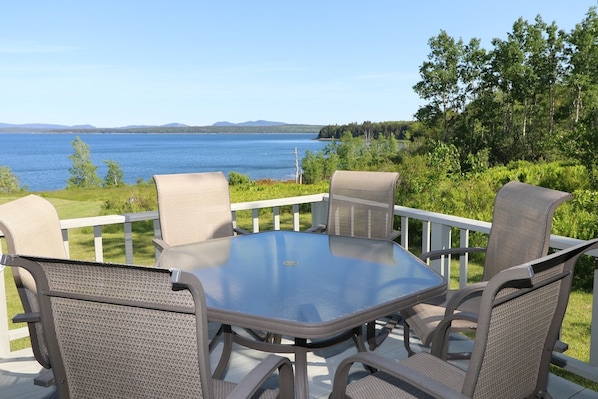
(301, 277)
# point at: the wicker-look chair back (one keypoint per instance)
(193, 207)
(31, 227)
(122, 331)
(362, 204)
(521, 225)
(520, 232)
(521, 312)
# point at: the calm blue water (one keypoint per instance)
(41, 162)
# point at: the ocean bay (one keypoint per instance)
(41, 160)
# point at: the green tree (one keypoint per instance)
(114, 175)
(313, 165)
(9, 182)
(581, 142)
(440, 80)
(582, 52)
(238, 179)
(83, 172)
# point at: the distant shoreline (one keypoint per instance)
(307, 129)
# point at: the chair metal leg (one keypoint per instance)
(376, 339)
(216, 338)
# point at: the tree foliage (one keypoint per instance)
(532, 96)
(350, 153)
(371, 130)
(83, 171)
(114, 175)
(9, 182)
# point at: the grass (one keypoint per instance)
(82, 203)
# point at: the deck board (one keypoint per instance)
(17, 372)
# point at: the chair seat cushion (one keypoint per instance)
(223, 388)
(383, 385)
(423, 319)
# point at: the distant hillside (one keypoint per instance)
(42, 126)
(250, 126)
(170, 128)
(250, 123)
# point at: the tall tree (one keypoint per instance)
(440, 80)
(582, 141)
(582, 51)
(83, 172)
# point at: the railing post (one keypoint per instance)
(276, 217)
(4, 337)
(97, 241)
(426, 234)
(296, 221)
(441, 239)
(405, 232)
(65, 241)
(255, 220)
(233, 216)
(128, 230)
(464, 258)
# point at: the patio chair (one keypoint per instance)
(361, 204)
(521, 311)
(193, 207)
(520, 232)
(31, 226)
(126, 331)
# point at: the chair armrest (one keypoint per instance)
(319, 228)
(440, 340)
(241, 231)
(404, 373)
(462, 295)
(45, 379)
(160, 244)
(394, 235)
(450, 251)
(252, 381)
(33, 317)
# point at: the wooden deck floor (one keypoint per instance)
(17, 372)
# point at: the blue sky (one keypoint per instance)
(128, 62)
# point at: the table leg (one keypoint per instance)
(226, 351)
(301, 382)
(359, 339)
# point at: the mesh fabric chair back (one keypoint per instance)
(521, 312)
(121, 331)
(520, 232)
(362, 204)
(31, 226)
(193, 207)
(521, 224)
(518, 328)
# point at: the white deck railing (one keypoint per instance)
(436, 234)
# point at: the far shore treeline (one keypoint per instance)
(281, 128)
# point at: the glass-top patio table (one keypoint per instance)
(315, 288)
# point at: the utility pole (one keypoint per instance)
(296, 166)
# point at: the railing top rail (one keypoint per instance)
(435, 217)
(302, 199)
